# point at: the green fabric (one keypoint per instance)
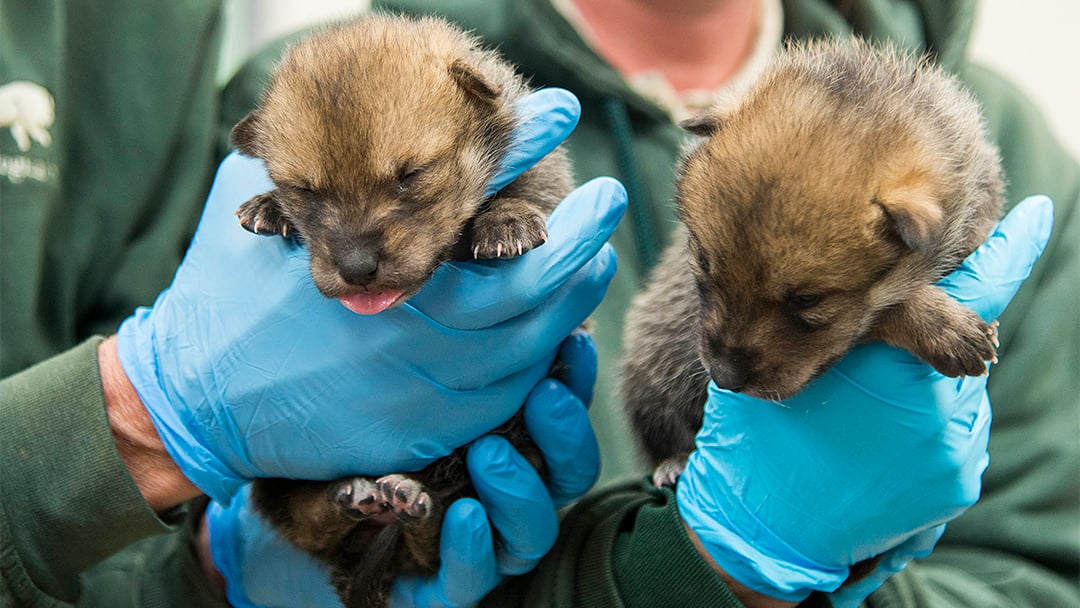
(93, 221)
(99, 222)
(93, 225)
(69, 504)
(47, 480)
(612, 551)
(1029, 509)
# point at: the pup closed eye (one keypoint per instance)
(803, 301)
(302, 188)
(809, 310)
(407, 176)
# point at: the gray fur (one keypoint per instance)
(779, 203)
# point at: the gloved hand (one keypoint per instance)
(246, 370)
(262, 569)
(871, 458)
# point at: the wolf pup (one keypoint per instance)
(818, 211)
(380, 135)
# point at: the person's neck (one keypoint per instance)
(695, 44)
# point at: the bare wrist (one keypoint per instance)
(155, 473)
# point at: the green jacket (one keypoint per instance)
(624, 544)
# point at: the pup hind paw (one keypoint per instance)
(407, 498)
(360, 499)
(668, 471)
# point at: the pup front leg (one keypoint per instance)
(507, 228)
(941, 331)
(262, 215)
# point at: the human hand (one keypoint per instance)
(262, 569)
(247, 371)
(870, 459)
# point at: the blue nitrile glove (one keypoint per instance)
(870, 459)
(247, 371)
(262, 569)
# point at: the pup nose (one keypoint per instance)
(732, 379)
(732, 368)
(359, 266)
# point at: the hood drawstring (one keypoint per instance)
(618, 118)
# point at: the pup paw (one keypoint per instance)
(406, 498)
(507, 233)
(942, 332)
(964, 347)
(668, 471)
(361, 499)
(262, 215)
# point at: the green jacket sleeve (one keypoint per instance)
(68, 502)
(622, 546)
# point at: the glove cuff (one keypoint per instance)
(136, 351)
(745, 548)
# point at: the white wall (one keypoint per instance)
(250, 24)
(1036, 43)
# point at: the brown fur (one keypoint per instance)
(819, 209)
(380, 135)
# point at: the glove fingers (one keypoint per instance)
(989, 278)
(520, 342)
(467, 571)
(577, 354)
(473, 295)
(545, 119)
(894, 560)
(260, 567)
(559, 424)
(517, 503)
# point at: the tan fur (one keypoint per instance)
(380, 135)
(819, 209)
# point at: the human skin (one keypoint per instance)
(155, 473)
(678, 39)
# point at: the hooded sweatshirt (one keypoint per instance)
(77, 259)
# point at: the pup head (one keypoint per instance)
(381, 135)
(798, 222)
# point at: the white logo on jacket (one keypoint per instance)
(27, 109)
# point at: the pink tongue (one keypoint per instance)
(371, 303)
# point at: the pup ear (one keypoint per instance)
(703, 124)
(914, 212)
(245, 133)
(474, 83)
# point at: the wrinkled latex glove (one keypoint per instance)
(247, 371)
(871, 458)
(262, 569)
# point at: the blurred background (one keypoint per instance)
(1035, 43)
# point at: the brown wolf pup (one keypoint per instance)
(380, 135)
(819, 209)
